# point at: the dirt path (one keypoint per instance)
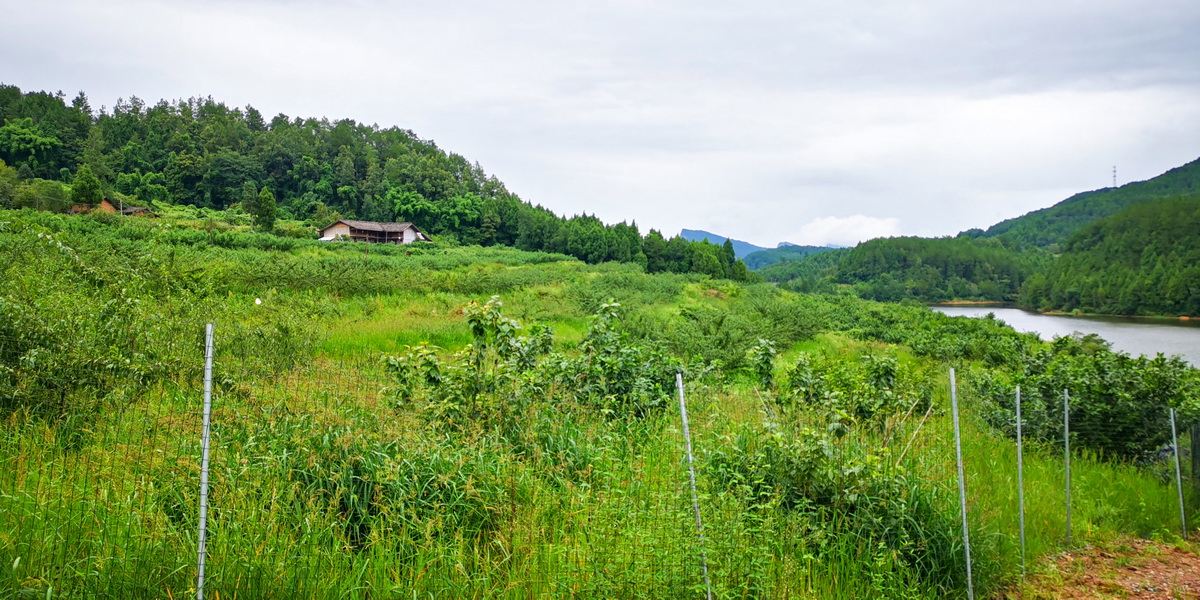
(1125, 568)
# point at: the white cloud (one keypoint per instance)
(844, 231)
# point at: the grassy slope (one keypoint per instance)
(104, 504)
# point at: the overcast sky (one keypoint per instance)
(811, 122)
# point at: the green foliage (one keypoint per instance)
(765, 258)
(1118, 403)
(930, 333)
(812, 273)
(385, 495)
(87, 321)
(932, 270)
(923, 269)
(509, 461)
(845, 489)
(620, 377)
(264, 213)
(724, 332)
(23, 142)
(868, 391)
(493, 380)
(8, 185)
(85, 188)
(1142, 260)
(762, 360)
(42, 194)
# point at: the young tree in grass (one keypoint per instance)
(250, 200)
(264, 215)
(8, 184)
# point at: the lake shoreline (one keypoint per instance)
(1133, 334)
(1058, 313)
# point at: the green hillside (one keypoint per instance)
(287, 175)
(763, 258)
(813, 272)
(1144, 259)
(1143, 269)
(1054, 225)
(923, 269)
(937, 269)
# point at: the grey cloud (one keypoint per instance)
(757, 120)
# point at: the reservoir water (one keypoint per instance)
(1127, 334)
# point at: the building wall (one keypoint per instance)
(336, 230)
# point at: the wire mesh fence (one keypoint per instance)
(324, 483)
(1082, 472)
(328, 478)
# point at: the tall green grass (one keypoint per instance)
(326, 485)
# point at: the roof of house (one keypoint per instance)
(375, 226)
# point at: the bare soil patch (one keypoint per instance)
(1125, 568)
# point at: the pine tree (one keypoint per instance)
(264, 216)
(86, 189)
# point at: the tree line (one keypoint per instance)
(923, 269)
(200, 152)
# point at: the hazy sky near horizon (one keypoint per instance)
(810, 122)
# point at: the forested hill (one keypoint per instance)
(1056, 224)
(925, 269)
(287, 170)
(1142, 260)
(1128, 250)
(763, 258)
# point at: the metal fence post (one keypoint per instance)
(1067, 455)
(687, 437)
(1178, 475)
(1020, 482)
(202, 538)
(962, 485)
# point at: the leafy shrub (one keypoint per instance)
(844, 489)
(495, 378)
(1119, 404)
(869, 390)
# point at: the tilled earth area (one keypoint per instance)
(1126, 568)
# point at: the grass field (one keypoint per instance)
(497, 461)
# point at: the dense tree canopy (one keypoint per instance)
(925, 269)
(1142, 260)
(203, 153)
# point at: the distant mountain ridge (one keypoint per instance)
(740, 249)
(1056, 224)
(755, 257)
